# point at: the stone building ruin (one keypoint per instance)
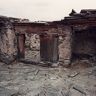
(60, 41)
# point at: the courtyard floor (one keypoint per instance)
(19, 79)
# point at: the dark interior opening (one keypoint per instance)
(84, 44)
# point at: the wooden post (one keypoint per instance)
(49, 48)
(20, 46)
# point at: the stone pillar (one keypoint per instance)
(21, 45)
(8, 43)
(49, 48)
(65, 46)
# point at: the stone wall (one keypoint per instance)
(32, 41)
(65, 45)
(8, 43)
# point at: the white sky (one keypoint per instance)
(46, 10)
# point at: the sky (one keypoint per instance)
(43, 10)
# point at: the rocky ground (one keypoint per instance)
(19, 79)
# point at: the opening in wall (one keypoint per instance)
(84, 44)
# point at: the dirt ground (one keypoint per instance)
(19, 79)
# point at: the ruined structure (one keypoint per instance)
(77, 33)
(83, 26)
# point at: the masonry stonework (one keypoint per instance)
(32, 41)
(70, 31)
(8, 43)
(65, 46)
